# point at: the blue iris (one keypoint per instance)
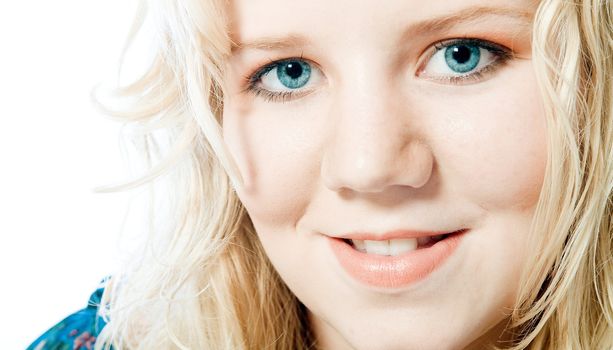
(293, 74)
(462, 58)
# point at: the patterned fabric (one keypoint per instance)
(77, 331)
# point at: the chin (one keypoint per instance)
(430, 341)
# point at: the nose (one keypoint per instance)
(372, 145)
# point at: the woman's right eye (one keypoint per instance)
(285, 79)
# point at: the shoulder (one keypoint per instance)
(77, 331)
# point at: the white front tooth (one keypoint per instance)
(400, 246)
(377, 247)
(359, 245)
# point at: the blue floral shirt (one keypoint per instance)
(77, 331)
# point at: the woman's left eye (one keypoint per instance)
(285, 79)
(463, 60)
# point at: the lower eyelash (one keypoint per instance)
(477, 75)
(270, 96)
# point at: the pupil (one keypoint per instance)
(293, 70)
(461, 54)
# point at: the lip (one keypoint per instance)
(392, 272)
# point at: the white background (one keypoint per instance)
(57, 237)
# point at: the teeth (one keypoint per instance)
(390, 247)
(400, 246)
(377, 247)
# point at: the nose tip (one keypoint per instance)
(359, 176)
(375, 168)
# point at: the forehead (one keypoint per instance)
(326, 20)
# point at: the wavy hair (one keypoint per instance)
(202, 279)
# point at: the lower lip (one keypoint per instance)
(394, 271)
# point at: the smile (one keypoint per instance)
(395, 262)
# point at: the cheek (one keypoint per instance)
(494, 147)
(280, 166)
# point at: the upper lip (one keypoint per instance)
(395, 234)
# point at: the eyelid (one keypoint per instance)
(255, 75)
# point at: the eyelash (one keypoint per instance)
(502, 53)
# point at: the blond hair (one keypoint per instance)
(203, 281)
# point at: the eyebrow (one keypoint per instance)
(469, 14)
(438, 24)
(271, 43)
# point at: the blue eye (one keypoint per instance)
(293, 74)
(462, 58)
(284, 79)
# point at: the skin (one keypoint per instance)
(381, 142)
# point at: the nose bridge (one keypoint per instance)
(372, 145)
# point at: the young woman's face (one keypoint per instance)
(398, 120)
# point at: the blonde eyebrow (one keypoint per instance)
(438, 24)
(272, 43)
(444, 23)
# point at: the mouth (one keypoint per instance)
(397, 262)
(400, 246)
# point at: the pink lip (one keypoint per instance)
(393, 271)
